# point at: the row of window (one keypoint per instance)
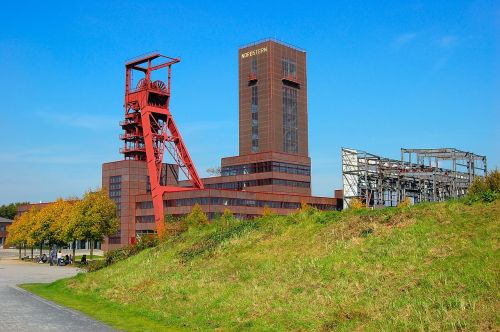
(143, 232)
(113, 186)
(230, 202)
(240, 185)
(144, 219)
(288, 67)
(115, 193)
(115, 179)
(114, 240)
(266, 166)
(145, 205)
(240, 202)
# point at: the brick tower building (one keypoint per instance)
(273, 168)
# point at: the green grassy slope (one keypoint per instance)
(426, 267)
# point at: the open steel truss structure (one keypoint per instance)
(421, 175)
(149, 128)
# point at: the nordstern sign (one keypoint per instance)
(253, 52)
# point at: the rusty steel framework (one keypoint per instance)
(421, 175)
(149, 128)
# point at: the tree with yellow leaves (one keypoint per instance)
(48, 225)
(19, 231)
(94, 217)
(197, 217)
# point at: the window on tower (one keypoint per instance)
(254, 65)
(290, 121)
(255, 119)
(289, 67)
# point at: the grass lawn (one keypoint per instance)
(427, 267)
(125, 319)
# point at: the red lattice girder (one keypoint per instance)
(150, 129)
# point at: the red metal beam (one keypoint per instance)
(157, 131)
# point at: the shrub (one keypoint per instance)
(168, 218)
(493, 181)
(304, 207)
(477, 187)
(196, 218)
(356, 204)
(93, 266)
(147, 241)
(405, 202)
(266, 211)
(485, 189)
(226, 217)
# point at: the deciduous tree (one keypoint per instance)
(197, 217)
(94, 217)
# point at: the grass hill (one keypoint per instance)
(425, 267)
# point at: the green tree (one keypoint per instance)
(9, 211)
(485, 189)
(94, 217)
(493, 181)
(197, 217)
(477, 187)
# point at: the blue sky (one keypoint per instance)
(381, 75)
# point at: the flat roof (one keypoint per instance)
(5, 220)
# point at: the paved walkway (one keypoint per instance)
(23, 311)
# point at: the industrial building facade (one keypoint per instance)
(421, 175)
(272, 170)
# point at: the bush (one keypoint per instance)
(477, 187)
(266, 211)
(147, 241)
(493, 181)
(94, 265)
(356, 204)
(113, 256)
(196, 218)
(485, 189)
(405, 202)
(226, 218)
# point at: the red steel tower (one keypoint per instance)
(149, 128)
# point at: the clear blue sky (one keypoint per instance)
(381, 75)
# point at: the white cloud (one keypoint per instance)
(447, 41)
(404, 39)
